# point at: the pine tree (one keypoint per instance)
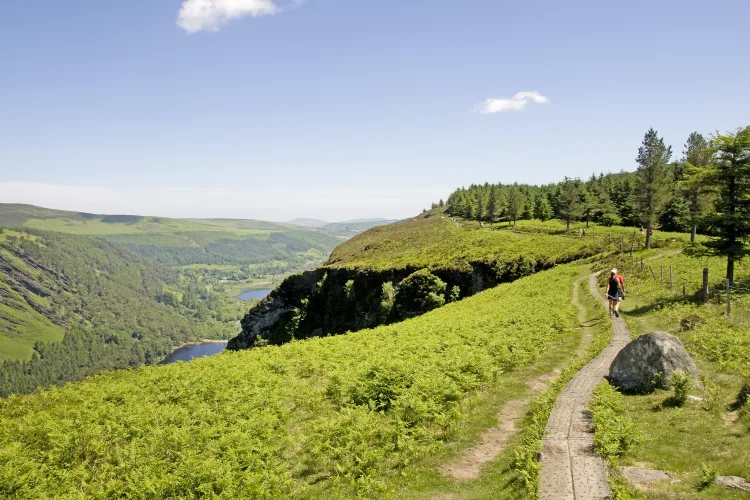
(542, 209)
(653, 181)
(492, 203)
(569, 201)
(528, 206)
(516, 200)
(730, 171)
(695, 186)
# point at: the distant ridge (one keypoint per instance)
(307, 222)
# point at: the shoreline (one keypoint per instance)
(202, 341)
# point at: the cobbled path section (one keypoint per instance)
(571, 470)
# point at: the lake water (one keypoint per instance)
(254, 294)
(195, 351)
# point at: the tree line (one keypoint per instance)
(706, 191)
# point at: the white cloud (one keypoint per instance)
(514, 103)
(333, 204)
(199, 15)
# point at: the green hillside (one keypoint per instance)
(435, 241)
(359, 285)
(334, 417)
(74, 305)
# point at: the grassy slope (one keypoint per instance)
(435, 241)
(69, 281)
(679, 440)
(319, 418)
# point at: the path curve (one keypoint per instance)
(571, 470)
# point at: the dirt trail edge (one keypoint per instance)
(571, 470)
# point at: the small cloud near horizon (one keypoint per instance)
(515, 103)
(210, 15)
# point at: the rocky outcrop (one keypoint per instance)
(333, 300)
(733, 482)
(648, 362)
(642, 475)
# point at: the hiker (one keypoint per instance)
(615, 287)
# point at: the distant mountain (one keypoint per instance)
(180, 242)
(355, 226)
(375, 219)
(307, 222)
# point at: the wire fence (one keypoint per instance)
(702, 290)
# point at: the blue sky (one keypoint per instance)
(337, 109)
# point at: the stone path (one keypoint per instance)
(571, 470)
(493, 441)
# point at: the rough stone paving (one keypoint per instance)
(571, 470)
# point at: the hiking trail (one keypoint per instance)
(571, 470)
(492, 442)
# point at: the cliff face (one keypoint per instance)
(329, 301)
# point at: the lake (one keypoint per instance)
(195, 351)
(254, 294)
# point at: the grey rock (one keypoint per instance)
(648, 362)
(640, 475)
(734, 482)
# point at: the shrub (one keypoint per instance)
(614, 432)
(680, 382)
(611, 220)
(418, 293)
(388, 296)
(706, 477)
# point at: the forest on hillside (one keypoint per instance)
(73, 306)
(706, 191)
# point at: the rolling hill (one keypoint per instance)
(72, 306)
(358, 285)
(179, 242)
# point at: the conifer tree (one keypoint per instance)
(542, 208)
(492, 204)
(695, 185)
(653, 180)
(569, 201)
(516, 200)
(730, 171)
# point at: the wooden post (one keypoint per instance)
(652, 272)
(662, 273)
(705, 285)
(729, 299)
(671, 279)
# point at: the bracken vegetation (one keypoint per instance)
(327, 417)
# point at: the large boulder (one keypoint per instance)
(648, 362)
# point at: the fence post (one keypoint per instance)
(662, 273)
(671, 279)
(705, 285)
(652, 272)
(729, 299)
